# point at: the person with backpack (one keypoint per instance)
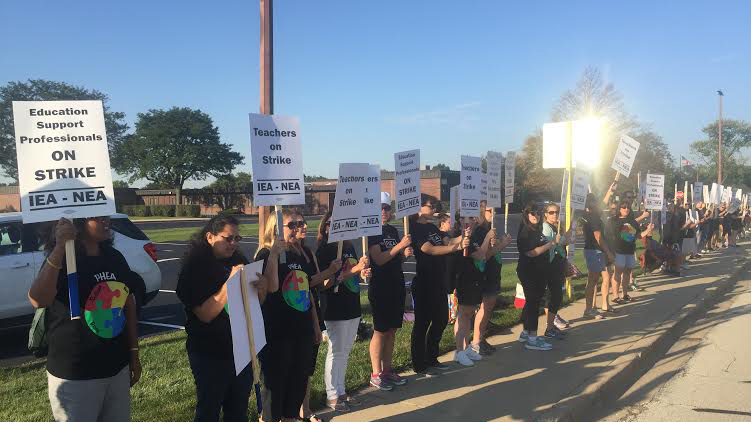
(93, 360)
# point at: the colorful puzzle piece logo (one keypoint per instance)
(628, 233)
(296, 290)
(352, 284)
(103, 311)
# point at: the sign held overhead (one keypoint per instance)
(276, 154)
(625, 155)
(407, 176)
(470, 189)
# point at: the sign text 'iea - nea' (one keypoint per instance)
(277, 160)
(63, 162)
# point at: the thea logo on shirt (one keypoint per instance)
(105, 276)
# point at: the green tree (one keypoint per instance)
(229, 191)
(42, 90)
(314, 178)
(120, 184)
(736, 137)
(532, 181)
(441, 166)
(173, 146)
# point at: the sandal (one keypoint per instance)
(338, 405)
(610, 310)
(618, 300)
(627, 298)
(313, 418)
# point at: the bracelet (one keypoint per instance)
(53, 265)
(134, 349)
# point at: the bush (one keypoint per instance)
(9, 208)
(230, 211)
(137, 210)
(163, 210)
(188, 211)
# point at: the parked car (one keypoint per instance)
(22, 254)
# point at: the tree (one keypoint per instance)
(313, 178)
(441, 166)
(173, 146)
(42, 90)
(120, 184)
(229, 191)
(736, 137)
(532, 181)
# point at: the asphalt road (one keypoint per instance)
(165, 312)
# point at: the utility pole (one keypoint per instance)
(719, 142)
(267, 81)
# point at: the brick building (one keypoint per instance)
(437, 183)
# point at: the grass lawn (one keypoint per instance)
(182, 234)
(166, 391)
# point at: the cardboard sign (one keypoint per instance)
(348, 202)
(407, 176)
(63, 161)
(276, 154)
(238, 320)
(453, 204)
(469, 187)
(697, 190)
(705, 194)
(509, 175)
(579, 190)
(495, 171)
(655, 193)
(484, 187)
(625, 155)
(726, 194)
(370, 224)
(714, 194)
(583, 137)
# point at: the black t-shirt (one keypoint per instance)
(452, 262)
(494, 264)
(592, 224)
(700, 213)
(315, 291)
(201, 277)
(96, 345)
(390, 274)
(341, 302)
(625, 232)
(430, 268)
(287, 312)
(471, 269)
(528, 239)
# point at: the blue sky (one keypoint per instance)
(371, 78)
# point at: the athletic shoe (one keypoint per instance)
(592, 314)
(560, 323)
(380, 383)
(394, 379)
(429, 372)
(337, 405)
(486, 349)
(627, 298)
(684, 266)
(555, 333)
(461, 358)
(440, 366)
(538, 344)
(523, 337)
(473, 353)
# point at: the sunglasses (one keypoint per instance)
(553, 212)
(230, 239)
(624, 207)
(294, 225)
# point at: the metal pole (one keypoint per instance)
(719, 142)
(267, 82)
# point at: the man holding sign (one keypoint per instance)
(64, 171)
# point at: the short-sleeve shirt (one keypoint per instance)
(430, 268)
(341, 302)
(390, 273)
(528, 239)
(625, 231)
(592, 224)
(494, 264)
(201, 277)
(96, 345)
(556, 255)
(471, 269)
(287, 312)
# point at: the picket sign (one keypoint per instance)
(624, 157)
(509, 176)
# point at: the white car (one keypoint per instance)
(22, 254)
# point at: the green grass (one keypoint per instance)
(182, 234)
(166, 391)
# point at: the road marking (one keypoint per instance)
(167, 291)
(166, 259)
(159, 324)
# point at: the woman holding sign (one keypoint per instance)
(556, 270)
(386, 294)
(341, 312)
(289, 317)
(213, 256)
(625, 230)
(92, 361)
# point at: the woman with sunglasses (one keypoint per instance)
(534, 253)
(470, 279)
(341, 313)
(386, 294)
(429, 288)
(213, 256)
(290, 319)
(92, 361)
(626, 230)
(555, 273)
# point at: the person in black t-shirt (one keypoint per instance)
(341, 313)
(386, 294)
(291, 323)
(213, 256)
(92, 360)
(598, 255)
(531, 269)
(626, 231)
(428, 288)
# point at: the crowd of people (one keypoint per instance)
(305, 293)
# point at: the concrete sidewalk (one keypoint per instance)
(598, 361)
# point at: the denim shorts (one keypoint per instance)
(596, 261)
(625, 261)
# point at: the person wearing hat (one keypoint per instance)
(386, 294)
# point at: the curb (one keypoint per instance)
(630, 368)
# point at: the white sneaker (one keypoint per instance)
(472, 353)
(462, 359)
(538, 344)
(523, 337)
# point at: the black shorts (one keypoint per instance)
(469, 293)
(387, 304)
(313, 359)
(490, 286)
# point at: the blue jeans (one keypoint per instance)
(217, 388)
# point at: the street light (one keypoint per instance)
(719, 141)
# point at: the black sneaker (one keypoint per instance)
(429, 372)
(380, 383)
(486, 349)
(440, 366)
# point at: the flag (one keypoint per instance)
(684, 161)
